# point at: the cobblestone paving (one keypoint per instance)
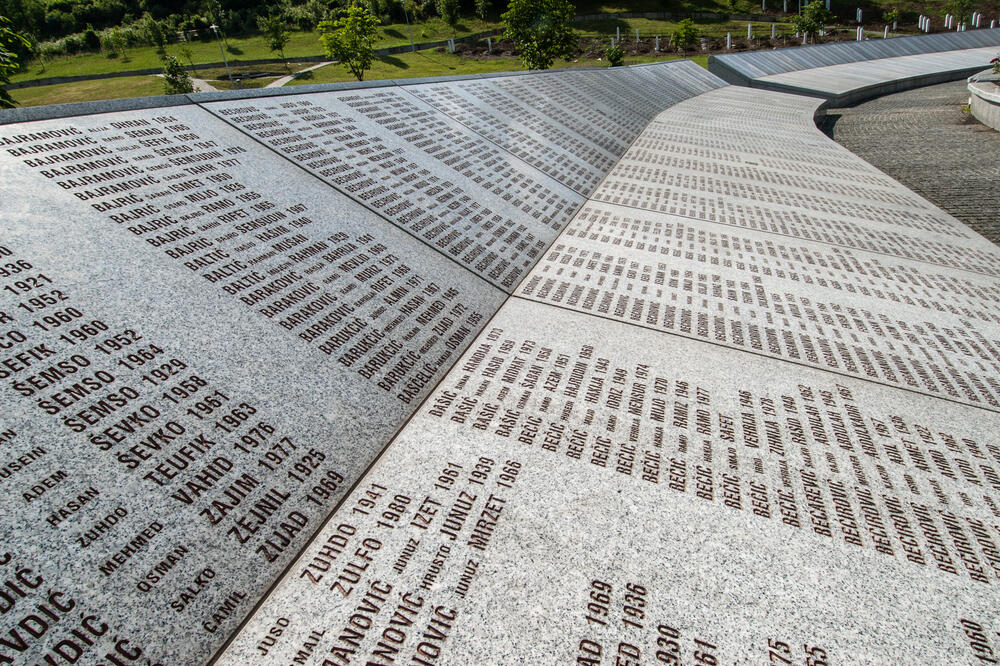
(923, 139)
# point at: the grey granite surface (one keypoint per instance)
(207, 355)
(756, 64)
(743, 411)
(739, 406)
(204, 344)
(843, 286)
(582, 489)
(846, 73)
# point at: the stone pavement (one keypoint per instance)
(923, 139)
(277, 83)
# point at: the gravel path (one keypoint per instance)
(923, 139)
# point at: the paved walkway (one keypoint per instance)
(923, 139)
(285, 79)
(200, 85)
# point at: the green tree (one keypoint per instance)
(448, 9)
(813, 17)
(483, 8)
(890, 15)
(685, 35)
(615, 56)
(176, 80)
(962, 9)
(541, 30)
(10, 43)
(275, 29)
(154, 32)
(189, 56)
(351, 39)
(115, 42)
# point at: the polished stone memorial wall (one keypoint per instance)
(743, 411)
(849, 72)
(214, 316)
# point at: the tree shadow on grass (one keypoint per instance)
(608, 26)
(423, 54)
(394, 62)
(392, 32)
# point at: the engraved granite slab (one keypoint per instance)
(863, 277)
(843, 82)
(725, 166)
(585, 491)
(215, 316)
(197, 361)
(415, 167)
(744, 67)
(608, 476)
(570, 125)
(851, 312)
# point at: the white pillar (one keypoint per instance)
(729, 40)
(749, 30)
(489, 45)
(657, 47)
(637, 35)
(885, 33)
(618, 34)
(774, 31)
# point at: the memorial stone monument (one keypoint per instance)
(624, 366)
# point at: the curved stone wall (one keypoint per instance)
(595, 366)
(848, 72)
(984, 99)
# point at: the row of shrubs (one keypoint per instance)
(149, 31)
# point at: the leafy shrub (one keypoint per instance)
(615, 56)
(685, 35)
(176, 80)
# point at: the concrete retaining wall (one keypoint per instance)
(984, 99)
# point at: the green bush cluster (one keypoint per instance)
(144, 32)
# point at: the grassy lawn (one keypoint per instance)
(302, 43)
(654, 27)
(432, 63)
(245, 84)
(403, 66)
(89, 91)
(306, 43)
